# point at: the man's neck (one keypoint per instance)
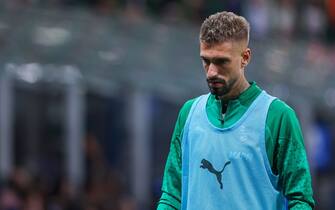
(235, 92)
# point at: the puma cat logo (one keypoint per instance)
(205, 164)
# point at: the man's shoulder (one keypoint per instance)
(282, 121)
(280, 112)
(280, 107)
(185, 110)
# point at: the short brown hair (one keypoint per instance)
(224, 26)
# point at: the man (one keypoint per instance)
(238, 147)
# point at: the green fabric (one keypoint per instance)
(284, 147)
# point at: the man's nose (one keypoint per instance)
(212, 70)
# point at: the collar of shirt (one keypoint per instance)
(235, 109)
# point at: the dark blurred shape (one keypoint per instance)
(330, 8)
(9, 199)
(321, 158)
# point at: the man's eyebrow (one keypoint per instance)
(221, 58)
(215, 58)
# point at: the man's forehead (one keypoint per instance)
(226, 46)
(208, 49)
(215, 44)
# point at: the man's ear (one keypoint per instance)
(246, 56)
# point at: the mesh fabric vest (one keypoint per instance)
(228, 168)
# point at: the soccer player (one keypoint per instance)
(236, 148)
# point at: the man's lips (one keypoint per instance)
(216, 84)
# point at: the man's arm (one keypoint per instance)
(171, 188)
(289, 156)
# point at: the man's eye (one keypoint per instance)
(206, 61)
(221, 62)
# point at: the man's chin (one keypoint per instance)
(218, 93)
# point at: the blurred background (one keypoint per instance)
(90, 91)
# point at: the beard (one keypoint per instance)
(220, 87)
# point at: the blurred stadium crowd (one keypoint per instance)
(289, 18)
(38, 180)
(103, 188)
